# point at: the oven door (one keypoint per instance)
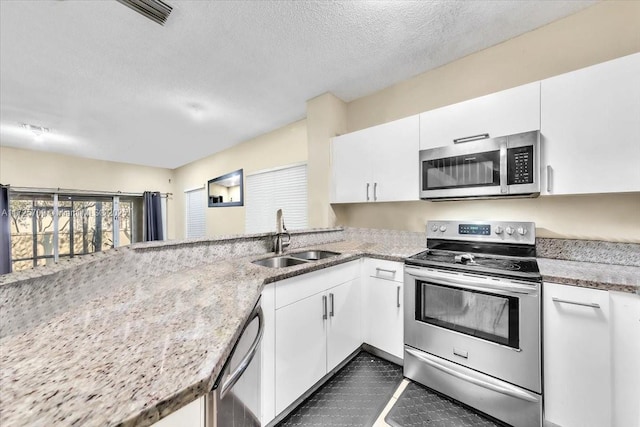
(488, 324)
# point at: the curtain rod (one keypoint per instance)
(72, 192)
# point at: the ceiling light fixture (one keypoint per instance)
(156, 10)
(37, 131)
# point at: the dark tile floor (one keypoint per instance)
(419, 406)
(355, 396)
(358, 393)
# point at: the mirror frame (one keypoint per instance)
(221, 178)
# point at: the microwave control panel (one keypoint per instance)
(520, 165)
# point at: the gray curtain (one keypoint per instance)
(5, 231)
(152, 216)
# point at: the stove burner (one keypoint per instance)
(484, 263)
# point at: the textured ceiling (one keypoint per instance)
(113, 85)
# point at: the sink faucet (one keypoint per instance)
(279, 244)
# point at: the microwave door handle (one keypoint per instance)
(471, 138)
(510, 287)
(503, 168)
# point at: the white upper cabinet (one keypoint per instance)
(507, 112)
(590, 126)
(377, 164)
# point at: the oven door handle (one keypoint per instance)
(500, 387)
(460, 281)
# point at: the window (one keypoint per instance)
(195, 202)
(85, 224)
(266, 192)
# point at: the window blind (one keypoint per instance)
(195, 202)
(268, 191)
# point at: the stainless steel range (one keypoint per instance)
(472, 317)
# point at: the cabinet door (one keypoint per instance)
(625, 358)
(503, 113)
(384, 325)
(395, 161)
(590, 129)
(344, 335)
(350, 167)
(301, 356)
(577, 364)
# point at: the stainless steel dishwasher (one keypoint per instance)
(235, 398)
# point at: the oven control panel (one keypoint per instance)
(486, 231)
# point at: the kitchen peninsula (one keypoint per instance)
(127, 336)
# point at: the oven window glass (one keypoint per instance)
(475, 170)
(480, 314)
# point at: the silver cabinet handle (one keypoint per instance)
(244, 363)
(378, 269)
(331, 312)
(375, 191)
(398, 297)
(584, 304)
(367, 191)
(549, 178)
(471, 138)
(324, 307)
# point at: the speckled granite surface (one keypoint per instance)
(129, 349)
(609, 277)
(595, 251)
(590, 263)
(84, 344)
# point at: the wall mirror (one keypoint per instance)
(226, 190)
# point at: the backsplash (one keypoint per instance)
(589, 251)
(390, 237)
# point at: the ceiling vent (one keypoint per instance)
(156, 10)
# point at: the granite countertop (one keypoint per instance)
(610, 277)
(132, 356)
(137, 351)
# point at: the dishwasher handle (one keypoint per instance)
(246, 360)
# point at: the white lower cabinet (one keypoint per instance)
(577, 356)
(344, 334)
(191, 415)
(625, 358)
(301, 348)
(383, 322)
(315, 326)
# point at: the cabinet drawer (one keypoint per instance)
(291, 290)
(383, 269)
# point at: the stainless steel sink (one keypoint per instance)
(279, 262)
(295, 258)
(313, 255)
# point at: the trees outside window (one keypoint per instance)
(85, 225)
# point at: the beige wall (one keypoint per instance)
(602, 32)
(283, 146)
(326, 118)
(28, 168)
(614, 217)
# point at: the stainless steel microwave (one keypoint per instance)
(507, 166)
